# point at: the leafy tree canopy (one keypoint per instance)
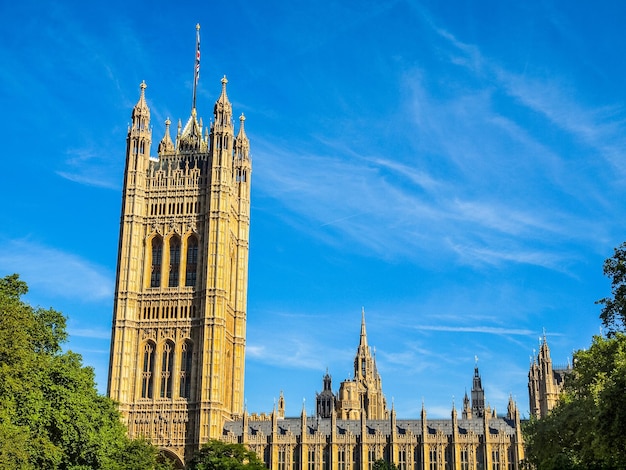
(613, 314)
(217, 455)
(587, 429)
(384, 465)
(51, 415)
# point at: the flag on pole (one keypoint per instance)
(197, 53)
(196, 70)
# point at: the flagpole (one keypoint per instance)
(196, 69)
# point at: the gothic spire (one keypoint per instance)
(241, 135)
(166, 144)
(478, 394)
(363, 340)
(223, 97)
(141, 109)
(242, 144)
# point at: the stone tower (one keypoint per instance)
(545, 382)
(325, 401)
(478, 395)
(179, 320)
(364, 393)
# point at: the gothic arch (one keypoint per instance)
(154, 260)
(173, 457)
(168, 369)
(148, 349)
(190, 259)
(185, 368)
(173, 260)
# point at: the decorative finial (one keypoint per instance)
(224, 80)
(475, 360)
(198, 27)
(143, 85)
(242, 118)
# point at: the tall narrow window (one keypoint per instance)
(166, 370)
(341, 459)
(511, 454)
(417, 458)
(157, 255)
(402, 459)
(464, 458)
(281, 458)
(447, 457)
(495, 457)
(311, 458)
(147, 376)
(371, 458)
(174, 261)
(356, 458)
(480, 458)
(433, 458)
(192, 261)
(185, 370)
(326, 458)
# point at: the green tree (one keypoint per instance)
(51, 415)
(587, 429)
(613, 314)
(384, 465)
(217, 455)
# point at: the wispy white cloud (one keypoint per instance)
(88, 167)
(475, 329)
(371, 209)
(288, 351)
(473, 181)
(554, 97)
(93, 333)
(55, 272)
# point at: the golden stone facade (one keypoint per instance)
(545, 382)
(179, 323)
(350, 431)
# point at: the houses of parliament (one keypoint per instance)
(179, 327)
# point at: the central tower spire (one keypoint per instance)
(363, 340)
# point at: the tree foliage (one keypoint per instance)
(51, 415)
(613, 314)
(217, 455)
(587, 429)
(382, 464)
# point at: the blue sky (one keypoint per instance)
(455, 168)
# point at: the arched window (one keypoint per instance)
(157, 256)
(185, 370)
(167, 364)
(192, 261)
(174, 261)
(147, 376)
